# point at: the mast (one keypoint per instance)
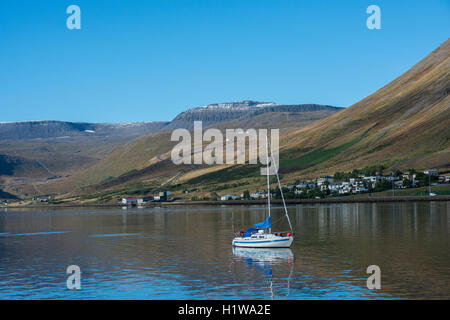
(281, 191)
(429, 183)
(268, 187)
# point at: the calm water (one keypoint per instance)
(186, 253)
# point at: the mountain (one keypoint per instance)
(147, 159)
(53, 129)
(405, 124)
(21, 167)
(210, 114)
(235, 111)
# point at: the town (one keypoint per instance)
(368, 180)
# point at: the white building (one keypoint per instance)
(258, 195)
(132, 201)
(431, 172)
(301, 185)
(229, 197)
(321, 181)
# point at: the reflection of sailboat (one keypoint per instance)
(258, 237)
(265, 254)
(264, 259)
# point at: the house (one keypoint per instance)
(163, 196)
(431, 172)
(373, 180)
(335, 187)
(321, 181)
(398, 184)
(229, 197)
(302, 185)
(409, 176)
(258, 195)
(132, 201)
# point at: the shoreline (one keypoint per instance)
(244, 202)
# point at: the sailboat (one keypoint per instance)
(261, 235)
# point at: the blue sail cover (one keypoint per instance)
(264, 224)
(249, 232)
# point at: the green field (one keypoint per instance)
(317, 156)
(442, 190)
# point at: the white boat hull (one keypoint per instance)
(275, 242)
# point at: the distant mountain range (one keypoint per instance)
(241, 110)
(58, 129)
(210, 114)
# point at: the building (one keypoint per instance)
(229, 197)
(132, 201)
(373, 180)
(431, 172)
(321, 181)
(302, 185)
(163, 196)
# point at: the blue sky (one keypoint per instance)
(150, 60)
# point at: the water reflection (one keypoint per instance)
(186, 252)
(264, 261)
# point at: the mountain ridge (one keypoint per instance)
(210, 114)
(35, 129)
(235, 111)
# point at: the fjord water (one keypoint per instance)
(186, 252)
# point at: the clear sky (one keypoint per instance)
(150, 60)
